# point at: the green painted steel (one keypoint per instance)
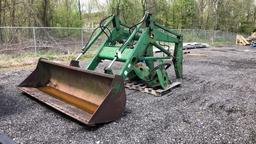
(134, 48)
(109, 53)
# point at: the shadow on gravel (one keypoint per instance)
(243, 64)
(226, 50)
(85, 127)
(5, 139)
(233, 64)
(8, 105)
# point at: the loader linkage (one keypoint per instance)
(95, 97)
(134, 47)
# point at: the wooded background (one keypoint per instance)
(225, 15)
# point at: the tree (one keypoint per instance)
(226, 15)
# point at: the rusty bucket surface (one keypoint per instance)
(89, 97)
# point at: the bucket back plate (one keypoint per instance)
(89, 97)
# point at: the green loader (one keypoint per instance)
(136, 57)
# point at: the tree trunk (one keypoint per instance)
(0, 12)
(13, 13)
(79, 9)
(45, 13)
(1, 34)
(151, 6)
(68, 16)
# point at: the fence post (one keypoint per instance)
(213, 36)
(82, 37)
(206, 36)
(34, 37)
(194, 36)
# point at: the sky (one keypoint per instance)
(84, 3)
(102, 2)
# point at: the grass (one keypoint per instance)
(24, 59)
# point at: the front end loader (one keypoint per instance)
(94, 97)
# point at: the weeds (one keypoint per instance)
(22, 59)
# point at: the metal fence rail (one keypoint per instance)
(72, 39)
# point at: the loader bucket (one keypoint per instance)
(89, 97)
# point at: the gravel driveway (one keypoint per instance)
(216, 104)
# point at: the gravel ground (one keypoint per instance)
(216, 104)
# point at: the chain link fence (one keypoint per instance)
(71, 40)
(212, 37)
(42, 38)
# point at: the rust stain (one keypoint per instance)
(71, 99)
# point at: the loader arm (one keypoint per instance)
(95, 97)
(133, 47)
(177, 39)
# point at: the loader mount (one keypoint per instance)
(91, 97)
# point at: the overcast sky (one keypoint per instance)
(86, 1)
(84, 4)
(102, 2)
